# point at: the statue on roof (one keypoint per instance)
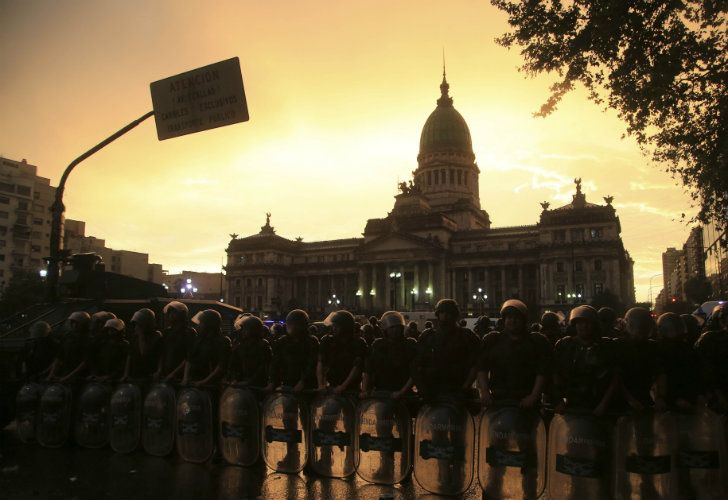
(609, 199)
(577, 181)
(404, 188)
(267, 218)
(545, 205)
(234, 236)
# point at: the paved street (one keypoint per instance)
(33, 472)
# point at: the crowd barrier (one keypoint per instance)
(577, 456)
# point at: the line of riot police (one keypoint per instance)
(632, 411)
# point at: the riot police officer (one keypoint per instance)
(295, 355)
(446, 355)
(388, 364)
(145, 346)
(584, 373)
(514, 364)
(111, 352)
(640, 365)
(251, 355)
(342, 355)
(40, 351)
(74, 349)
(712, 348)
(208, 357)
(681, 361)
(177, 339)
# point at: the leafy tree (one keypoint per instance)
(24, 289)
(662, 65)
(607, 299)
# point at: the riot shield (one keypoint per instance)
(512, 453)
(26, 410)
(383, 441)
(159, 420)
(91, 428)
(55, 416)
(195, 441)
(332, 436)
(579, 458)
(285, 444)
(125, 413)
(239, 429)
(444, 442)
(701, 456)
(644, 456)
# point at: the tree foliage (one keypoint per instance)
(662, 65)
(697, 289)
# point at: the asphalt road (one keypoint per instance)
(28, 471)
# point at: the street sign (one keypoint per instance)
(201, 99)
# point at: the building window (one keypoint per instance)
(260, 302)
(598, 288)
(260, 281)
(559, 267)
(595, 233)
(3, 230)
(429, 178)
(578, 266)
(237, 283)
(598, 265)
(248, 283)
(22, 205)
(3, 214)
(577, 235)
(443, 175)
(2, 257)
(580, 292)
(37, 222)
(24, 190)
(465, 178)
(437, 177)
(560, 236)
(452, 176)
(8, 188)
(247, 303)
(237, 301)
(4, 200)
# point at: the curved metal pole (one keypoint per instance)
(58, 209)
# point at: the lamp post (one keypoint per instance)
(187, 289)
(413, 293)
(480, 296)
(394, 277)
(358, 295)
(574, 296)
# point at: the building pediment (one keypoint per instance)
(393, 244)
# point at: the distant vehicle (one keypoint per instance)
(706, 308)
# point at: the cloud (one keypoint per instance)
(643, 207)
(644, 186)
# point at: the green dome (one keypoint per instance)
(445, 130)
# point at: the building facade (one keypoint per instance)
(196, 285)
(438, 242)
(715, 245)
(25, 218)
(126, 262)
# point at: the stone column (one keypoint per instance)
(430, 282)
(504, 288)
(403, 292)
(416, 284)
(521, 291)
(444, 292)
(386, 303)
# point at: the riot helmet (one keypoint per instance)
(549, 320)
(99, 319)
(585, 320)
(144, 319)
(208, 320)
(639, 323)
(342, 322)
(115, 324)
(39, 329)
(79, 321)
(670, 326)
(250, 326)
(392, 322)
(514, 314)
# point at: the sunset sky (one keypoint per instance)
(338, 93)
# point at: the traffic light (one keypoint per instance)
(673, 299)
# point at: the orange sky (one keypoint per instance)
(337, 92)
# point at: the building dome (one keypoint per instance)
(445, 130)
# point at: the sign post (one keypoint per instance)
(201, 99)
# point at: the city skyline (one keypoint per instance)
(334, 92)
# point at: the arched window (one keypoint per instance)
(437, 177)
(429, 178)
(460, 176)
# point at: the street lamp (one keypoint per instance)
(395, 277)
(650, 290)
(413, 292)
(334, 301)
(480, 296)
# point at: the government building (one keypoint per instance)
(438, 242)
